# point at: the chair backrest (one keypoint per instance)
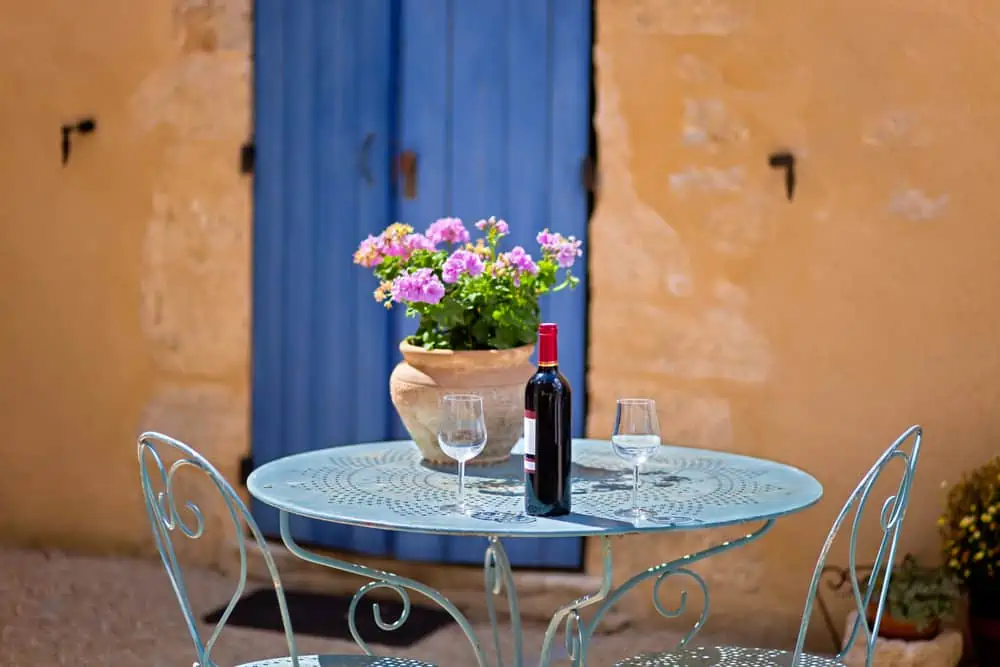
(170, 519)
(905, 450)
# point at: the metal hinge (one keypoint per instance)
(588, 174)
(246, 467)
(248, 157)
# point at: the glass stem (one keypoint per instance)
(635, 488)
(461, 483)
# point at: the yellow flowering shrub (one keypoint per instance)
(970, 525)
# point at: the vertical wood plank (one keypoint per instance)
(425, 128)
(332, 205)
(570, 114)
(268, 245)
(374, 87)
(373, 344)
(526, 197)
(351, 55)
(300, 277)
(478, 108)
(338, 105)
(526, 52)
(478, 139)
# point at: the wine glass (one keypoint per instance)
(462, 436)
(635, 439)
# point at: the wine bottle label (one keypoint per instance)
(529, 441)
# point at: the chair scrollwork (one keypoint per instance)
(171, 517)
(835, 581)
(902, 454)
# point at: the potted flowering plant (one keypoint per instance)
(970, 531)
(478, 314)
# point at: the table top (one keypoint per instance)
(387, 485)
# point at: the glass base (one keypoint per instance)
(634, 514)
(657, 517)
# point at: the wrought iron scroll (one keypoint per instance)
(660, 574)
(500, 579)
(167, 518)
(891, 516)
(837, 580)
(682, 605)
(387, 580)
(568, 615)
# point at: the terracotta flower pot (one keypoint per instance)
(896, 628)
(499, 376)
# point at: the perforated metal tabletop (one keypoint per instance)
(386, 485)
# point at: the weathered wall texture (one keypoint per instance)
(124, 276)
(810, 331)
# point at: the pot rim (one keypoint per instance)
(404, 346)
(899, 628)
(484, 359)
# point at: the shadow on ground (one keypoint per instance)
(76, 611)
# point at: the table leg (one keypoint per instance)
(387, 580)
(661, 573)
(576, 640)
(578, 634)
(500, 579)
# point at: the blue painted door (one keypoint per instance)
(493, 98)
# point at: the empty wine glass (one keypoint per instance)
(635, 439)
(462, 436)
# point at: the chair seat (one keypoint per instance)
(339, 661)
(727, 656)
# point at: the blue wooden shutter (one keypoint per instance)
(493, 97)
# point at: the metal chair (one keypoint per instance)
(168, 518)
(891, 520)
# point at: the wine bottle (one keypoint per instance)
(547, 432)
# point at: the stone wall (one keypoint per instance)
(811, 331)
(814, 330)
(126, 272)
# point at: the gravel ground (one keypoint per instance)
(65, 610)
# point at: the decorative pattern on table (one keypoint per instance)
(340, 661)
(681, 487)
(728, 656)
(387, 484)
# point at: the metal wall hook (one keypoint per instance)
(784, 160)
(82, 126)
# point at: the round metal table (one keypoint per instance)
(386, 485)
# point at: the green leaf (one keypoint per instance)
(489, 311)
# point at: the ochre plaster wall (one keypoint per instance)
(810, 331)
(124, 275)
